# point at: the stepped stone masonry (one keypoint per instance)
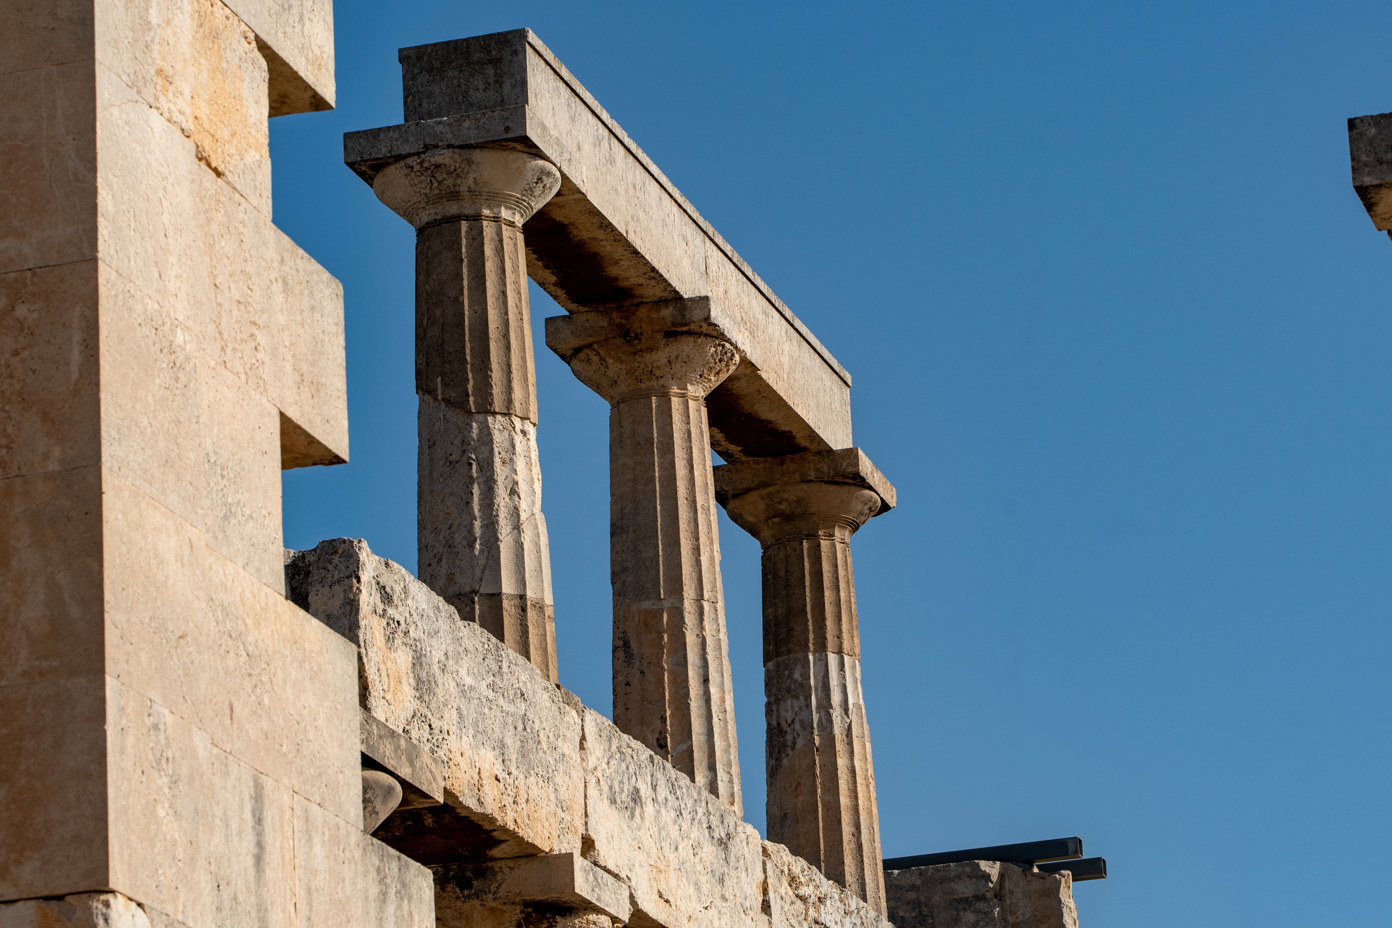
(207, 731)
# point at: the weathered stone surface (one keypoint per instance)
(43, 33)
(618, 232)
(192, 631)
(821, 781)
(53, 800)
(51, 624)
(48, 166)
(381, 795)
(510, 740)
(481, 533)
(1370, 155)
(672, 688)
(51, 416)
(686, 856)
(799, 895)
(83, 910)
(422, 775)
(980, 894)
(197, 65)
(296, 38)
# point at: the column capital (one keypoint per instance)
(652, 349)
(803, 494)
(467, 183)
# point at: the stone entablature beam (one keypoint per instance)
(672, 686)
(481, 535)
(618, 232)
(821, 781)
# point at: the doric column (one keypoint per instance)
(672, 687)
(480, 532)
(803, 509)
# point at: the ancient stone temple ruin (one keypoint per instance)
(205, 730)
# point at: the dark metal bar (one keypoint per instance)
(1093, 868)
(1030, 852)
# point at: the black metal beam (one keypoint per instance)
(1030, 852)
(1093, 868)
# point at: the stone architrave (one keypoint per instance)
(803, 509)
(480, 532)
(672, 688)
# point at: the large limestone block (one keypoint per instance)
(510, 740)
(344, 878)
(980, 894)
(49, 412)
(244, 294)
(53, 802)
(799, 896)
(194, 831)
(48, 166)
(51, 624)
(687, 857)
(191, 630)
(197, 65)
(43, 33)
(296, 37)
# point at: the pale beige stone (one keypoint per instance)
(343, 877)
(51, 624)
(509, 739)
(49, 406)
(980, 894)
(296, 38)
(196, 64)
(481, 535)
(380, 797)
(686, 856)
(799, 895)
(420, 773)
(53, 797)
(194, 632)
(672, 688)
(48, 166)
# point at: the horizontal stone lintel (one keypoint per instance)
(845, 465)
(618, 233)
(566, 880)
(1370, 156)
(422, 776)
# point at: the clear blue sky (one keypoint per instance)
(1120, 336)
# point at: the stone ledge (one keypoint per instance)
(531, 771)
(980, 894)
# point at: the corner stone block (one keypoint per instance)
(296, 39)
(1370, 156)
(687, 857)
(509, 739)
(799, 895)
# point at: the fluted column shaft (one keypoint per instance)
(481, 536)
(821, 780)
(672, 687)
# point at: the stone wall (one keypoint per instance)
(534, 772)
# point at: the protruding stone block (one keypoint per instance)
(980, 894)
(564, 881)
(799, 895)
(509, 739)
(672, 688)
